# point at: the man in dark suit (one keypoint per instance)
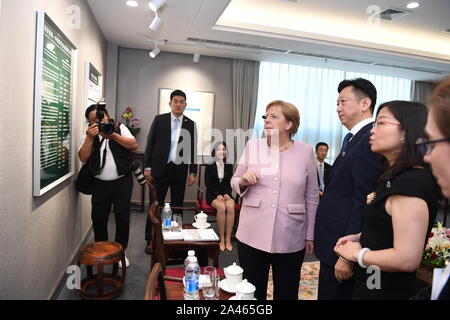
(323, 168)
(169, 155)
(352, 177)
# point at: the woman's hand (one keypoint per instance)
(249, 178)
(219, 198)
(350, 237)
(309, 247)
(349, 250)
(226, 197)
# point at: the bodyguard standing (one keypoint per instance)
(169, 155)
(352, 177)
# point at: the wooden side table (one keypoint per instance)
(108, 285)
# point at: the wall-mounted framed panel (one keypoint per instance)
(53, 145)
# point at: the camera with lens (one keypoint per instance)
(106, 128)
(137, 171)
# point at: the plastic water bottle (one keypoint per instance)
(191, 279)
(191, 254)
(166, 217)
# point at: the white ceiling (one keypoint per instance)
(322, 33)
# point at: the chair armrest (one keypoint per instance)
(170, 278)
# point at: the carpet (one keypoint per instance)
(309, 281)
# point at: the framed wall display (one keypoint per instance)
(200, 109)
(53, 99)
(93, 84)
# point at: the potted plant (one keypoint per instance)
(131, 122)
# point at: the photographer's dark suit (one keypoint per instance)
(352, 177)
(169, 175)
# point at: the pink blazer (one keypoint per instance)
(278, 212)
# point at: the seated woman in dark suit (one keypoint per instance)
(218, 193)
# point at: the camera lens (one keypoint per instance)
(137, 171)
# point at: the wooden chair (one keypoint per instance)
(157, 284)
(162, 249)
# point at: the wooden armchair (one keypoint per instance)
(157, 283)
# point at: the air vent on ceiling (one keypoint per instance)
(235, 44)
(392, 14)
(311, 54)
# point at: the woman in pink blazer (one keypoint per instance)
(277, 179)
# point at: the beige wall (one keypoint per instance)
(38, 236)
(140, 78)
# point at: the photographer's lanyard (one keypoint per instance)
(104, 154)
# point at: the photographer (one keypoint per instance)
(108, 147)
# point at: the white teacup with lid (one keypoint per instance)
(233, 274)
(245, 290)
(201, 219)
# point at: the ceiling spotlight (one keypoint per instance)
(132, 3)
(413, 5)
(155, 23)
(156, 4)
(154, 52)
(196, 58)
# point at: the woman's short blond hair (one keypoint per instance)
(290, 112)
(439, 105)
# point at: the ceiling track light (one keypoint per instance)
(196, 58)
(156, 50)
(155, 23)
(156, 4)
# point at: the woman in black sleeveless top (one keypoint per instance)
(399, 214)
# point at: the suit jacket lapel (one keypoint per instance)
(350, 145)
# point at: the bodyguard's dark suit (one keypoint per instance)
(326, 174)
(352, 177)
(157, 153)
(213, 185)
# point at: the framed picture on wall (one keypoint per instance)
(200, 109)
(55, 71)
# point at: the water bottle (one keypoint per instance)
(191, 279)
(166, 217)
(191, 254)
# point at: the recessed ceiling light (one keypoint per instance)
(132, 3)
(413, 5)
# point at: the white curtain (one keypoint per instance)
(314, 92)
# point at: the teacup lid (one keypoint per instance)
(234, 269)
(201, 214)
(245, 287)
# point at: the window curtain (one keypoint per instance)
(314, 92)
(245, 95)
(420, 91)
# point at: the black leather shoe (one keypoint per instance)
(148, 248)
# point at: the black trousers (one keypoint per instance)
(175, 179)
(285, 271)
(330, 288)
(115, 193)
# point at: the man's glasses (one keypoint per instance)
(380, 123)
(425, 146)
